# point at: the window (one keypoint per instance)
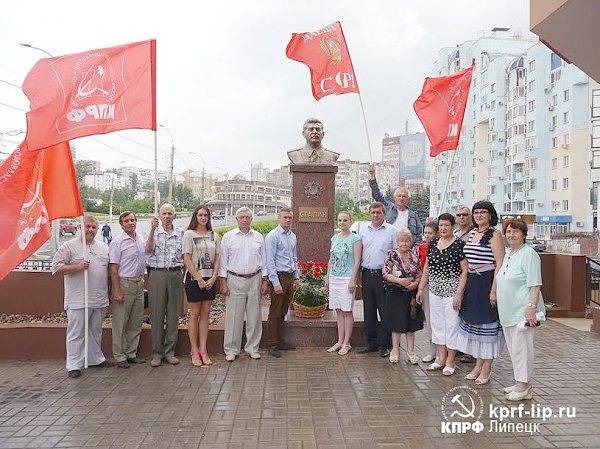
(565, 205)
(492, 123)
(566, 139)
(566, 95)
(532, 184)
(554, 184)
(493, 87)
(554, 121)
(554, 100)
(555, 206)
(565, 183)
(554, 142)
(533, 164)
(484, 78)
(531, 85)
(474, 82)
(554, 163)
(493, 105)
(532, 66)
(596, 103)
(531, 106)
(566, 117)
(530, 206)
(531, 126)
(565, 161)
(474, 162)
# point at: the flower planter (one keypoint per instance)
(309, 312)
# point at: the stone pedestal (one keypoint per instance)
(313, 202)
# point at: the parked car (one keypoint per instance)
(537, 245)
(66, 227)
(261, 213)
(218, 215)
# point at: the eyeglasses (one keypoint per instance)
(462, 215)
(481, 212)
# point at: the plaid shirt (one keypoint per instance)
(167, 249)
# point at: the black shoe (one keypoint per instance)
(275, 352)
(105, 364)
(136, 360)
(384, 353)
(286, 347)
(367, 350)
(123, 364)
(74, 373)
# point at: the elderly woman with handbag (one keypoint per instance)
(520, 305)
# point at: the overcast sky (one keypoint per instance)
(225, 88)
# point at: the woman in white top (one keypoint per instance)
(201, 259)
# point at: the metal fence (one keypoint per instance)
(592, 296)
(35, 264)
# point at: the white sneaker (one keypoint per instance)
(428, 358)
(230, 357)
(255, 355)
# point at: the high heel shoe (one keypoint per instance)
(335, 348)
(472, 375)
(196, 360)
(483, 380)
(205, 359)
(516, 396)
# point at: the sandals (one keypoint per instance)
(448, 370)
(205, 359)
(196, 360)
(520, 395)
(472, 375)
(345, 349)
(482, 381)
(435, 366)
(394, 357)
(335, 348)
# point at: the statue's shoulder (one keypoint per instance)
(296, 155)
(330, 155)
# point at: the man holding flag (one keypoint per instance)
(71, 262)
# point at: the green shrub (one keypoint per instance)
(264, 227)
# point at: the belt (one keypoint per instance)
(246, 276)
(165, 269)
(372, 270)
(141, 278)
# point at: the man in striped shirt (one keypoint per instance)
(165, 284)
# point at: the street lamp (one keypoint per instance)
(170, 197)
(112, 191)
(202, 159)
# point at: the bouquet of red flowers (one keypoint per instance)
(312, 291)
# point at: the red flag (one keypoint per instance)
(326, 55)
(94, 92)
(35, 187)
(441, 109)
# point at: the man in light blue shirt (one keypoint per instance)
(377, 239)
(282, 268)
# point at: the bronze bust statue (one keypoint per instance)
(313, 152)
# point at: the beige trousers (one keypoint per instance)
(127, 319)
(243, 299)
(520, 348)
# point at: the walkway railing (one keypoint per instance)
(592, 296)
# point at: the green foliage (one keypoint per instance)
(419, 202)
(264, 227)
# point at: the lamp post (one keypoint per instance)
(202, 181)
(112, 191)
(170, 196)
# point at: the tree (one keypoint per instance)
(419, 202)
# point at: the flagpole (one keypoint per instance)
(155, 172)
(85, 296)
(366, 128)
(447, 182)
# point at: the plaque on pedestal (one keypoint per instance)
(313, 203)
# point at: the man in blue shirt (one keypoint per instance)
(282, 268)
(377, 239)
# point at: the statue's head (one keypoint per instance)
(312, 131)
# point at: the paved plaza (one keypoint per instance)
(306, 399)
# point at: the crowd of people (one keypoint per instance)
(453, 277)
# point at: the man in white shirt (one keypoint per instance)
(243, 279)
(70, 261)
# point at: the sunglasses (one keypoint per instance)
(462, 215)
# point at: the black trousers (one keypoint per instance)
(374, 302)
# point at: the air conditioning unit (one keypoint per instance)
(501, 178)
(551, 128)
(547, 89)
(500, 139)
(500, 103)
(579, 224)
(565, 146)
(551, 108)
(540, 204)
(500, 153)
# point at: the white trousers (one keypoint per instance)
(444, 321)
(76, 337)
(427, 323)
(520, 348)
(243, 299)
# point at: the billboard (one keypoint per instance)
(413, 156)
